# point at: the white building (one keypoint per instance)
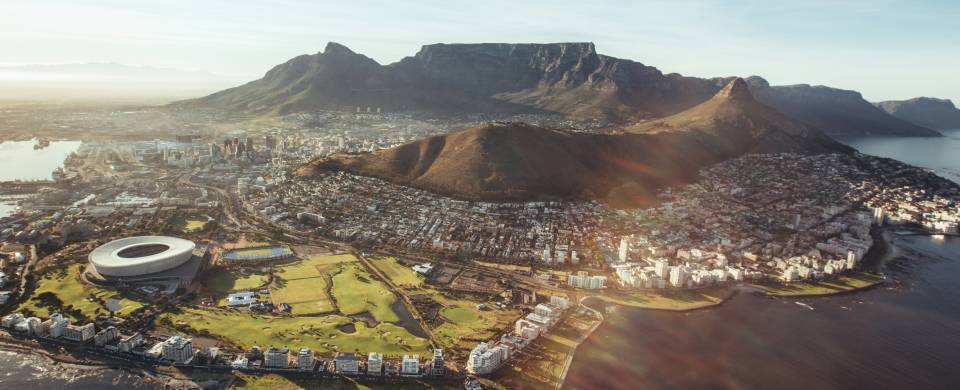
(346, 363)
(374, 363)
(276, 357)
(678, 276)
(128, 343)
(106, 336)
(624, 249)
(177, 349)
(242, 298)
(79, 333)
(410, 365)
(662, 268)
(560, 301)
(56, 325)
(305, 359)
(484, 359)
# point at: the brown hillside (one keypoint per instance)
(512, 161)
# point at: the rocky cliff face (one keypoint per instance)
(562, 78)
(933, 113)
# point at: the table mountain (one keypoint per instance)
(560, 78)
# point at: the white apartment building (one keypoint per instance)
(305, 359)
(374, 363)
(276, 357)
(177, 349)
(410, 365)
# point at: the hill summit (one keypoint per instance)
(736, 121)
(516, 161)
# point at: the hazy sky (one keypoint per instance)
(885, 49)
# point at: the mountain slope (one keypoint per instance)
(515, 161)
(934, 113)
(837, 111)
(565, 78)
(561, 78)
(739, 124)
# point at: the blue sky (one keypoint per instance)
(885, 49)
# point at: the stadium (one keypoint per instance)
(144, 259)
(258, 254)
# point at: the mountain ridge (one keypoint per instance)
(569, 78)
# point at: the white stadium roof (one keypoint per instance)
(134, 256)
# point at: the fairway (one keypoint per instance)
(66, 285)
(462, 319)
(305, 296)
(356, 292)
(317, 333)
(460, 315)
(398, 273)
(304, 285)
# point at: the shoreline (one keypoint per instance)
(99, 364)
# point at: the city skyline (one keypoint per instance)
(848, 45)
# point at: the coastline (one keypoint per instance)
(66, 361)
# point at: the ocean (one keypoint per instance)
(902, 335)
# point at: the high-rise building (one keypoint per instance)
(678, 276)
(374, 363)
(485, 359)
(410, 365)
(305, 360)
(276, 357)
(662, 268)
(624, 248)
(346, 363)
(178, 349)
(437, 368)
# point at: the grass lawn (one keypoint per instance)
(66, 285)
(672, 299)
(398, 273)
(222, 281)
(356, 292)
(191, 224)
(305, 296)
(194, 225)
(318, 333)
(460, 315)
(304, 284)
(843, 283)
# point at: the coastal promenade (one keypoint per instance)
(573, 349)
